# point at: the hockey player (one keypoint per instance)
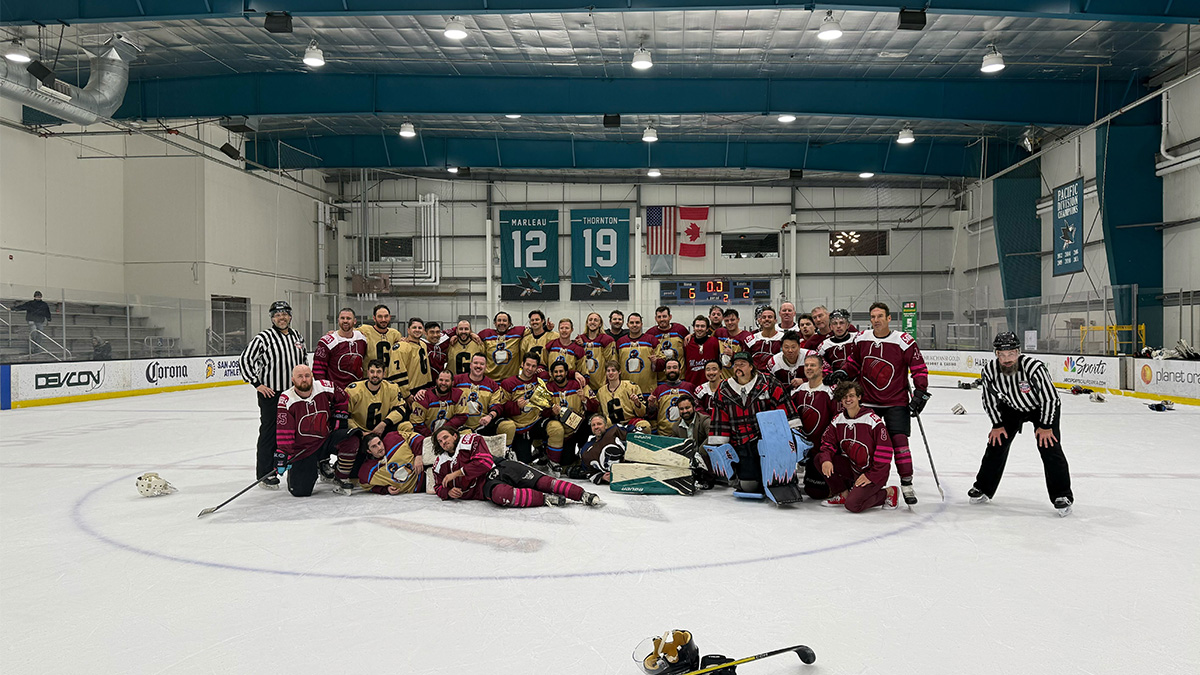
(881, 359)
(478, 391)
(699, 348)
(663, 403)
(461, 348)
(392, 464)
(736, 405)
(438, 405)
(597, 350)
(694, 426)
(787, 317)
(732, 339)
(788, 365)
(465, 469)
(410, 361)
(1017, 389)
(616, 323)
(814, 401)
(856, 455)
(621, 401)
(380, 336)
(563, 348)
(605, 447)
(375, 404)
(835, 349)
(766, 342)
(670, 336)
(809, 339)
(707, 391)
(339, 355)
(520, 418)
(502, 346)
(638, 356)
(716, 317)
(436, 343)
(568, 394)
(313, 423)
(820, 318)
(538, 335)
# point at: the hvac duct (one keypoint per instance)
(98, 100)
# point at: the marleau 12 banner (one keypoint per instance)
(1068, 228)
(529, 255)
(599, 254)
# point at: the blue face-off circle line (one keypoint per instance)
(77, 515)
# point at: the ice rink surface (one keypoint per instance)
(97, 579)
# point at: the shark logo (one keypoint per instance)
(529, 284)
(1067, 234)
(599, 283)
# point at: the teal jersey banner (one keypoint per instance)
(529, 255)
(1068, 228)
(600, 254)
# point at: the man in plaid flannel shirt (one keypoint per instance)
(735, 406)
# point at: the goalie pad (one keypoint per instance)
(780, 450)
(652, 479)
(722, 458)
(661, 450)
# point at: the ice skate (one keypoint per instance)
(977, 497)
(342, 487)
(270, 483)
(1063, 504)
(325, 471)
(892, 499)
(555, 500)
(592, 499)
(910, 495)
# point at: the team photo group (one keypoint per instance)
(804, 406)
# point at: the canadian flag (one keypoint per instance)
(693, 220)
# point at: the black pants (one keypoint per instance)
(266, 434)
(523, 442)
(510, 472)
(749, 466)
(303, 475)
(1058, 475)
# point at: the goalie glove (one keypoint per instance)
(919, 398)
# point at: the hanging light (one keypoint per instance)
(787, 118)
(993, 61)
(641, 59)
(452, 169)
(17, 53)
(313, 56)
(407, 130)
(867, 174)
(830, 28)
(906, 136)
(455, 28)
(649, 135)
(654, 173)
(513, 116)
(1029, 140)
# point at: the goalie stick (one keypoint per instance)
(246, 489)
(803, 651)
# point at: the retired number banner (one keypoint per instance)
(529, 255)
(600, 254)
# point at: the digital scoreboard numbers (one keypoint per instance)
(717, 290)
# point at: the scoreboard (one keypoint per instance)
(715, 290)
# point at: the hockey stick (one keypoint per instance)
(246, 489)
(925, 440)
(803, 651)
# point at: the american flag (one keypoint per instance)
(660, 230)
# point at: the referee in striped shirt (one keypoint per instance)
(1017, 389)
(267, 364)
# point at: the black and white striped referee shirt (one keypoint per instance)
(1028, 388)
(270, 357)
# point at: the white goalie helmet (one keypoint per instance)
(153, 485)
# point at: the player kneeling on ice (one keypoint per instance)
(312, 423)
(465, 469)
(397, 468)
(856, 455)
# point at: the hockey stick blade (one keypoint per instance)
(246, 489)
(806, 654)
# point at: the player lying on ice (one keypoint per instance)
(465, 469)
(393, 464)
(856, 455)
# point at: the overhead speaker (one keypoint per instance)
(231, 152)
(278, 22)
(912, 19)
(795, 174)
(41, 72)
(612, 121)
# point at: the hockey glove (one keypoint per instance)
(837, 377)
(919, 398)
(341, 420)
(281, 462)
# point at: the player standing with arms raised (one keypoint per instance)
(267, 363)
(670, 336)
(340, 354)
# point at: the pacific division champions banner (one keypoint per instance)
(529, 255)
(600, 254)
(1068, 228)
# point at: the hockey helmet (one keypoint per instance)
(670, 654)
(153, 485)
(836, 314)
(1006, 341)
(280, 306)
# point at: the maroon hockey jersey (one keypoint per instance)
(836, 350)
(432, 409)
(340, 359)
(817, 409)
(302, 424)
(762, 348)
(697, 354)
(882, 365)
(863, 440)
(705, 397)
(471, 454)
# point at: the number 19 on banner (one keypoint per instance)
(600, 254)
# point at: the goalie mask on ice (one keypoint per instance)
(153, 485)
(672, 653)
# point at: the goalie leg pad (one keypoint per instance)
(662, 450)
(652, 479)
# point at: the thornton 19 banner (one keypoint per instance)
(600, 254)
(529, 255)
(1068, 228)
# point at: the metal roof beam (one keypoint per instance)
(1049, 103)
(98, 11)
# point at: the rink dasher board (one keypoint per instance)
(1094, 372)
(37, 384)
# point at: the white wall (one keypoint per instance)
(1181, 201)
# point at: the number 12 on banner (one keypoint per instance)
(534, 244)
(529, 255)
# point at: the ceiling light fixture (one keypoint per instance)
(867, 174)
(407, 130)
(16, 52)
(513, 116)
(906, 136)
(654, 173)
(830, 28)
(786, 118)
(455, 28)
(650, 135)
(452, 169)
(313, 56)
(993, 61)
(641, 59)
(1029, 140)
